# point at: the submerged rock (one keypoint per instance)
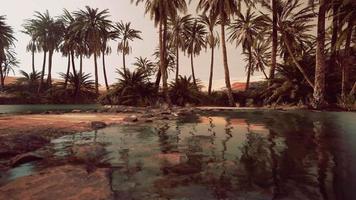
(60, 183)
(88, 153)
(98, 125)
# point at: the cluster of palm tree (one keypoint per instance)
(78, 34)
(282, 32)
(279, 37)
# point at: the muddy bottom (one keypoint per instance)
(226, 155)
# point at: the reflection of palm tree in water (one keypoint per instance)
(224, 182)
(323, 158)
(274, 165)
(165, 140)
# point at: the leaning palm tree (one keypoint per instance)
(159, 11)
(195, 42)
(125, 34)
(107, 35)
(178, 29)
(212, 41)
(244, 30)
(89, 24)
(294, 25)
(224, 10)
(7, 40)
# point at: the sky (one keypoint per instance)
(16, 11)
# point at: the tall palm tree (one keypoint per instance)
(244, 30)
(7, 40)
(107, 35)
(212, 41)
(55, 35)
(159, 11)
(178, 29)
(126, 34)
(224, 10)
(89, 23)
(195, 42)
(294, 25)
(32, 45)
(320, 68)
(274, 36)
(40, 24)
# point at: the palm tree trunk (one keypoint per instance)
(2, 80)
(124, 61)
(43, 71)
(319, 85)
(274, 43)
(67, 74)
(226, 67)
(158, 80)
(192, 66)
(249, 69)
(345, 65)
(49, 76)
(104, 70)
(81, 64)
(300, 68)
(164, 62)
(33, 61)
(211, 71)
(76, 78)
(177, 61)
(96, 74)
(335, 28)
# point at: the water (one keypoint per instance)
(15, 109)
(226, 155)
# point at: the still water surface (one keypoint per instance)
(228, 155)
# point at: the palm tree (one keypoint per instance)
(260, 56)
(9, 63)
(107, 35)
(145, 65)
(245, 30)
(223, 9)
(195, 42)
(294, 25)
(274, 41)
(212, 41)
(32, 45)
(320, 68)
(90, 23)
(178, 29)
(159, 11)
(7, 40)
(55, 35)
(126, 34)
(41, 26)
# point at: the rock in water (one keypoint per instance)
(98, 125)
(132, 118)
(25, 158)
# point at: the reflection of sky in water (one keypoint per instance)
(245, 155)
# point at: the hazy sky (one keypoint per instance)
(17, 11)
